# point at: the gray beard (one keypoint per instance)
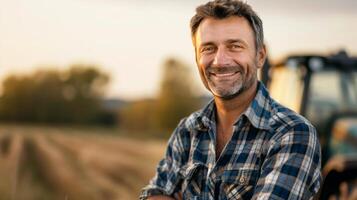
(237, 88)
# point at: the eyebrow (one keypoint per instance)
(206, 44)
(229, 41)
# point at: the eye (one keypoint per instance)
(235, 46)
(207, 49)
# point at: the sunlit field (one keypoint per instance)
(74, 163)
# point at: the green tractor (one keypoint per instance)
(324, 90)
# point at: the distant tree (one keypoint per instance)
(176, 98)
(84, 89)
(13, 102)
(71, 96)
(138, 115)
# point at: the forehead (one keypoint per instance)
(219, 30)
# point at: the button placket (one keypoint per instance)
(243, 180)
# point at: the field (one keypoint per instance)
(52, 163)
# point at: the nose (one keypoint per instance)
(221, 58)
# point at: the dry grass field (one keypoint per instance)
(44, 163)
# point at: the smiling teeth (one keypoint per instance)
(224, 75)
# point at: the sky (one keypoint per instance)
(130, 39)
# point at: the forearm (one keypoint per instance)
(160, 197)
(166, 183)
(291, 169)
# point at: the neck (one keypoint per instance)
(228, 110)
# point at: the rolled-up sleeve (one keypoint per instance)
(167, 180)
(292, 168)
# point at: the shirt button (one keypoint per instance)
(243, 180)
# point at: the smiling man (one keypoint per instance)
(243, 144)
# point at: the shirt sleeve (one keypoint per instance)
(292, 167)
(167, 179)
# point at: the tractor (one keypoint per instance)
(324, 90)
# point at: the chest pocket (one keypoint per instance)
(193, 180)
(239, 183)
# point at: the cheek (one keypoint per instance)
(202, 61)
(201, 69)
(248, 67)
(203, 64)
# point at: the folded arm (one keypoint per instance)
(166, 183)
(291, 169)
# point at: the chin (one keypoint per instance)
(226, 95)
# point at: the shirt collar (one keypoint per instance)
(258, 112)
(206, 118)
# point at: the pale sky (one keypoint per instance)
(130, 39)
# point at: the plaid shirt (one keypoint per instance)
(274, 153)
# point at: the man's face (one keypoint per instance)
(226, 55)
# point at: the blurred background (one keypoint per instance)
(91, 90)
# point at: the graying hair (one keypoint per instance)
(220, 9)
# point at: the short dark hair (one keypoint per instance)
(220, 9)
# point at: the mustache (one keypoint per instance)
(223, 70)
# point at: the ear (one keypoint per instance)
(261, 56)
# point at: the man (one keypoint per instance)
(242, 145)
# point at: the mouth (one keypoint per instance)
(224, 75)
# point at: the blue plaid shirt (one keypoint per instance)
(274, 153)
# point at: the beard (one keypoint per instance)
(230, 81)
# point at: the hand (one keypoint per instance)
(160, 197)
(344, 194)
(178, 196)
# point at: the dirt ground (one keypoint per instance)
(65, 163)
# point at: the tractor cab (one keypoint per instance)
(324, 90)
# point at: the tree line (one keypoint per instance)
(76, 96)
(54, 96)
(176, 99)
